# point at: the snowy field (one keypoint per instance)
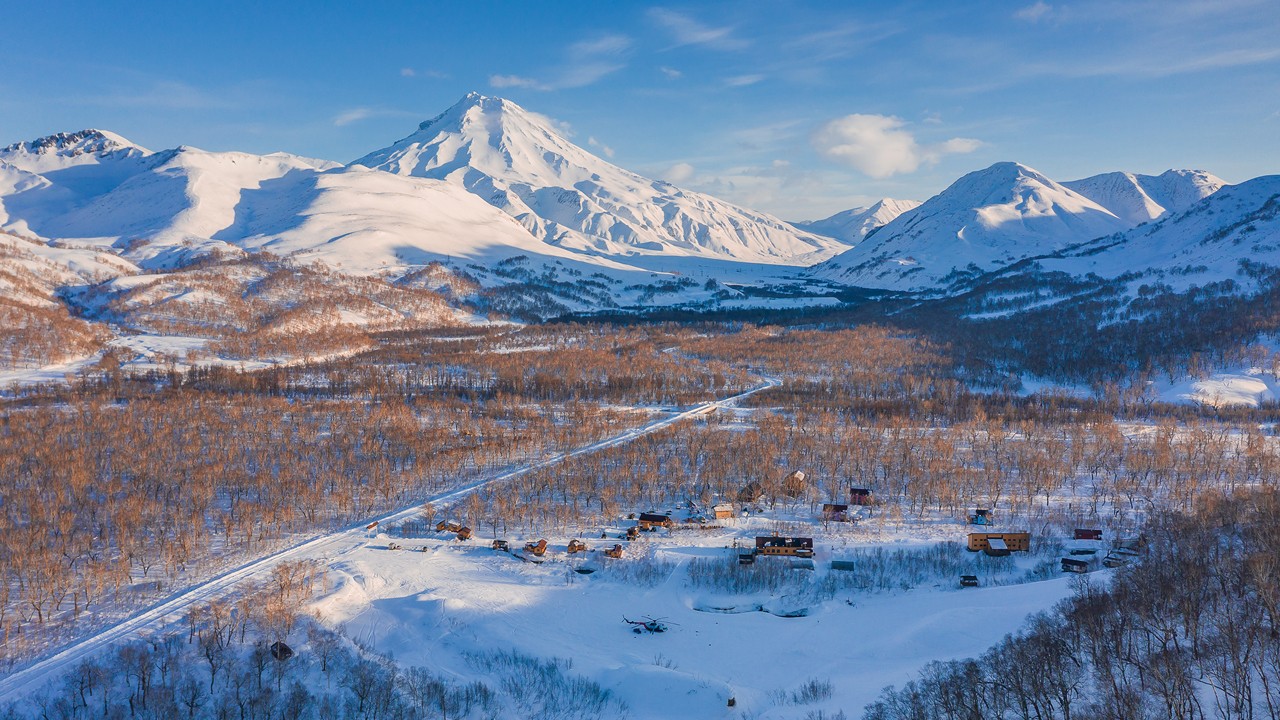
(447, 605)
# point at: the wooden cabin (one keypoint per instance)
(832, 512)
(997, 544)
(464, 533)
(577, 546)
(539, 548)
(795, 485)
(649, 521)
(614, 552)
(502, 545)
(861, 496)
(778, 545)
(723, 511)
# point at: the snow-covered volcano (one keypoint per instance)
(517, 161)
(985, 220)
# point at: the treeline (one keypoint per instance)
(105, 501)
(560, 364)
(1094, 333)
(1191, 631)
(1097, 471)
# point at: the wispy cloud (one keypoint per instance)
(516, 81)
(355, 115)
(767, 136)
(671, 72)
(586, 62)
(743, 80)
(685, 30)
(880, 146)
(605, 149)
(164, 94)
(1035, 12)
(414, 72)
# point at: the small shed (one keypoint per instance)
(723, 511)
(750, 492)
(280, 651)
(1088, 534)
(861, 496)
(831, 512)
(968, 581)
(1072, 565)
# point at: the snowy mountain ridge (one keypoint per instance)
(985, 220)
(1142, 198)
(851, 226)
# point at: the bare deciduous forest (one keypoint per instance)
(120, 485)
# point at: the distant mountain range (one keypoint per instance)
(491, 205)
(995, 217)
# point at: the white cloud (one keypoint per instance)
(671, 72)
(958, 146)
(687, 31)
(407, 72)
(353, 115)
(1035, 12)
(608, 151)
(607, 44)
(743, 80)
(678, 173)
(880, 146)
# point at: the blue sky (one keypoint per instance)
(796, 108)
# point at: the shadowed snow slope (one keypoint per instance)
(851, 226)
(566, 196)
(1142, 198)
(985, 220)
(1208, 242)
(372, 220)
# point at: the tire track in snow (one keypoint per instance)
(36, 676)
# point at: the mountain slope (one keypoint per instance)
(985, 220)
(1142, 198)
(1226, 237)
(565, 196)
(851, 226)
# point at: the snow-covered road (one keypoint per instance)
(323, 548)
